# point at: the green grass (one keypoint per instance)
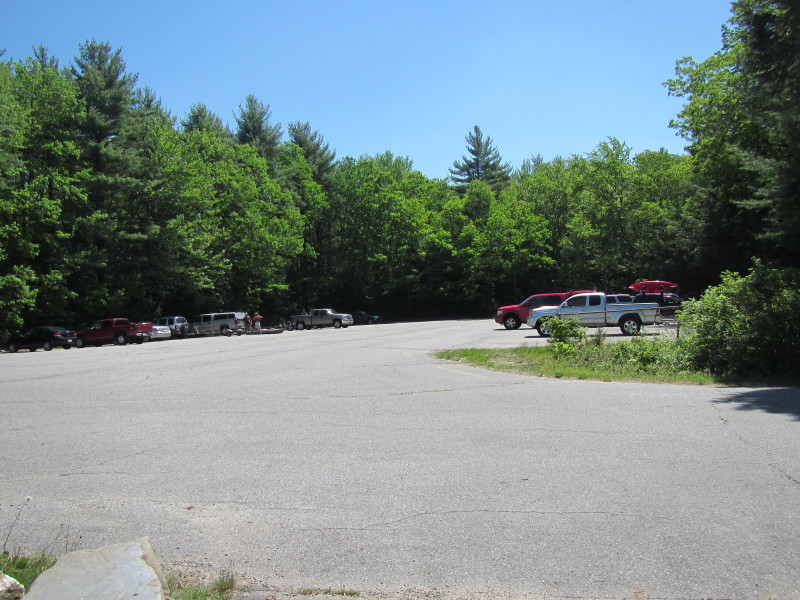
(638, 361)
(18, 564)
(220, 589)
(25, 569)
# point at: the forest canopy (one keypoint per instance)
(111, 205)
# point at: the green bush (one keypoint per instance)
(746, 325)
(649, 356)
(565, 335)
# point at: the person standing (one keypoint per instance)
(248, 322)
(257, 322)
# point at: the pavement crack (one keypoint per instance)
(446, 513)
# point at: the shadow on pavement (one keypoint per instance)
(784, 401)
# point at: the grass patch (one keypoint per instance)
(220, 589)
(650, 361)
(25, 569)
(18, 564)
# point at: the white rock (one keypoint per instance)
(10, 588)
(125, 571)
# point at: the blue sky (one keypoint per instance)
(553, 78)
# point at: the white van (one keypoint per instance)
(227, 323)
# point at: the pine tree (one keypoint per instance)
(770, 65)
(483, 164)
(99, 74)
(255, 129)
(318, 154)
(199, 118)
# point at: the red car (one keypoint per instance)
(511, 317)
(114, 331)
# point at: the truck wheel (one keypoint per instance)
(121, 339)
(12, 348)
(48, 345)
(300, 326)
(80, 342)
(542, 328)
(511, 322)
(630, 325)
(337, 323)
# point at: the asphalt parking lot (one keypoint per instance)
(352, 459)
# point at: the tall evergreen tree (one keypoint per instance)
(318, 153)
(199, 118)
(124, 130)
(99, 73)
(483, 164)
(742, 119)
(769, 30)
(255, 129)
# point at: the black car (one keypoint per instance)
(669, 302)
(361, 317)
(47, 337)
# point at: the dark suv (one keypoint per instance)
(669, 302)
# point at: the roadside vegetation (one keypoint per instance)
(20, 565)
(220, 589)
(741, 331)
(24, 568)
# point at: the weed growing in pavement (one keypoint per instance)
(19, 565)
(220, 589)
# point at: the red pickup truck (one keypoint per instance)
(114, 331)
(511, 317)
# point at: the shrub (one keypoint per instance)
(566, 331)
(565, 335)
(649, 356)
(746, 325)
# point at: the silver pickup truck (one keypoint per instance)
(320, 317)
(594, 310)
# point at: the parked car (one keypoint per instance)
(161, 332)
(225, 323)
(320, 317)
(511, 317)
(113, 331)
(594, 310)
(669, 302)
(47, 337)
(179, 326)
(361, 317)
(616, 298)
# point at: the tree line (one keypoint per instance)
(113, 206)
